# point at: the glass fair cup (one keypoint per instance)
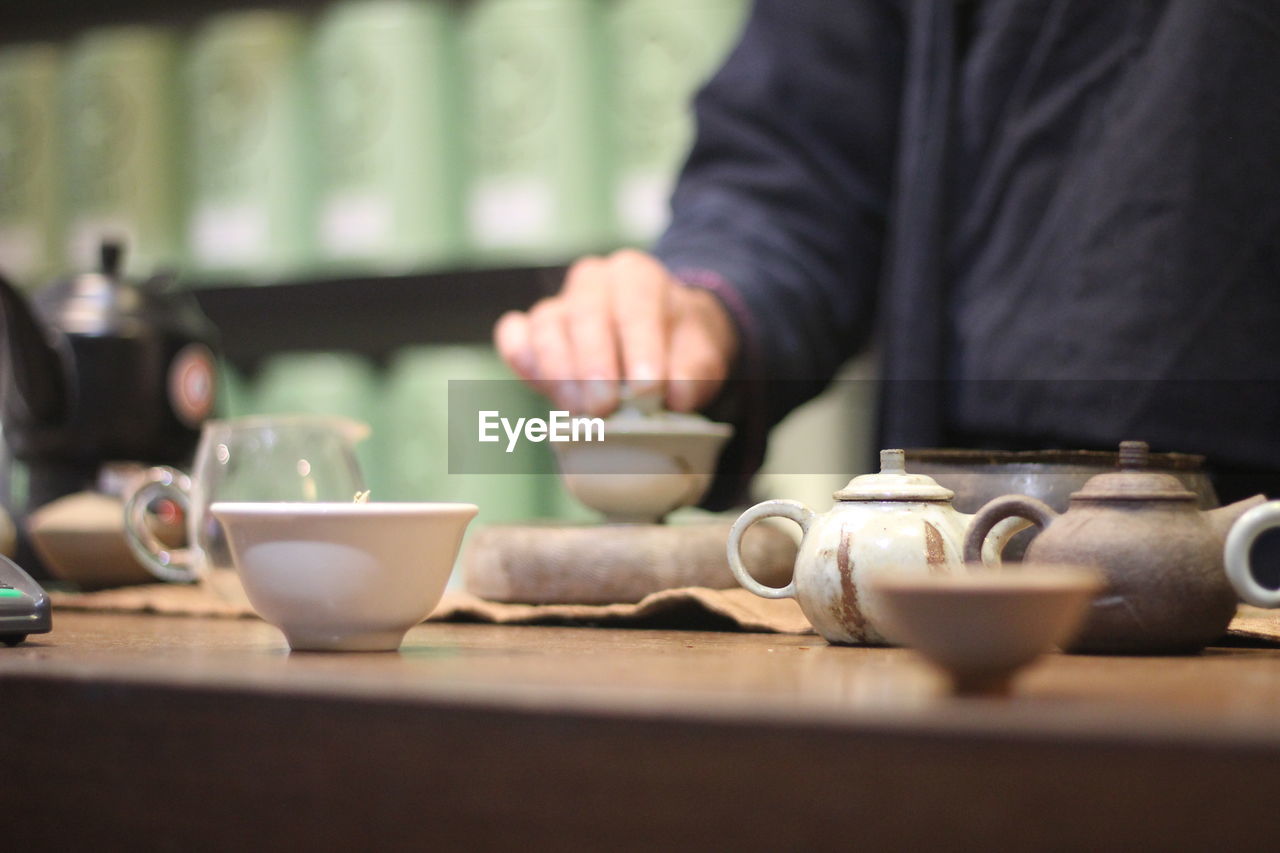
(271, 458)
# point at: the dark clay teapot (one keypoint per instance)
(1167, 591)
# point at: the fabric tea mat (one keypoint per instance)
(692, 608)
(1255, 623)
(689, 608)
(695, 608)
(166, 599)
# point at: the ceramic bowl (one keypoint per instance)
(979, 476)
(645, 467)
(344, 576)
(981, 627)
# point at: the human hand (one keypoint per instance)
(624, 317)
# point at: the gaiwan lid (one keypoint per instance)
(893, 483)
(1134, 481)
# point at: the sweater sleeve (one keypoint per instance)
(780, 209)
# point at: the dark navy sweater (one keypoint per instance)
(1058, 219)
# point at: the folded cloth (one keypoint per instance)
(695, 608)
(688, 607)
(691, 607)
(169, 599)
(1255, 623)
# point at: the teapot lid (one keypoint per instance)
(106, 303)
(1134, 481)
(893, 483)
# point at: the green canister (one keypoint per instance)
(250, 149)
(28, 163)
(536, 134)
(386, 91)
(322, 382)
(430, 427)
(663, 52)
(120, 147)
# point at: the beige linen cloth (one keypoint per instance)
(694, 608)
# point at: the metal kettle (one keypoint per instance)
(99, 369)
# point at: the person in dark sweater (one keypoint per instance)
(1058, 219)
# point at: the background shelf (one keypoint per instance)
(56, 19)
(373, 315)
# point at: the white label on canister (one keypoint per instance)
(641, 203)
(355, 223)
(229, 234)
(510, 211)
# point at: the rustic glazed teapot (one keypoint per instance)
(1161, 556)
(892, 522)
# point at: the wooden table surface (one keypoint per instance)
(207, 733)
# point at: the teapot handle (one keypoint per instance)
(1240, 541)
(998, 510)
(794, 510)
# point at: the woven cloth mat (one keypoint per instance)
(1255, 623)
(692, 608)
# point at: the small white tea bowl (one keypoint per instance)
(344, 576)
(645, 468)
(982, 626)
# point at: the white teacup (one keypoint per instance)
(646, 467)
(344, 576)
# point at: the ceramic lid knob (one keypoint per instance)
(1134, 455)
(893, 483)
(893, 462)
(1134, 481)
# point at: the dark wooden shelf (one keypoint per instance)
(373, 315)
(61, 19)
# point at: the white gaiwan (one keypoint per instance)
(344, 576)
(649, 464)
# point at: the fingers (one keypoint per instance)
(549, 338)
(621, 317)
(699, 356)
(642, 294)
(592, 337)
(511, 339)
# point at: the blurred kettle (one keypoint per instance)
(98, 369)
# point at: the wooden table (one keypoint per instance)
(145, 731)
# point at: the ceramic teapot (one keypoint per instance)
(1161, 556)
(891, 522)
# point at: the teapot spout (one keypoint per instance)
(1222, 518)
(32, 383)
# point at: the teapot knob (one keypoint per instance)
(1134, 455)
(110, 258)
(893, 462)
